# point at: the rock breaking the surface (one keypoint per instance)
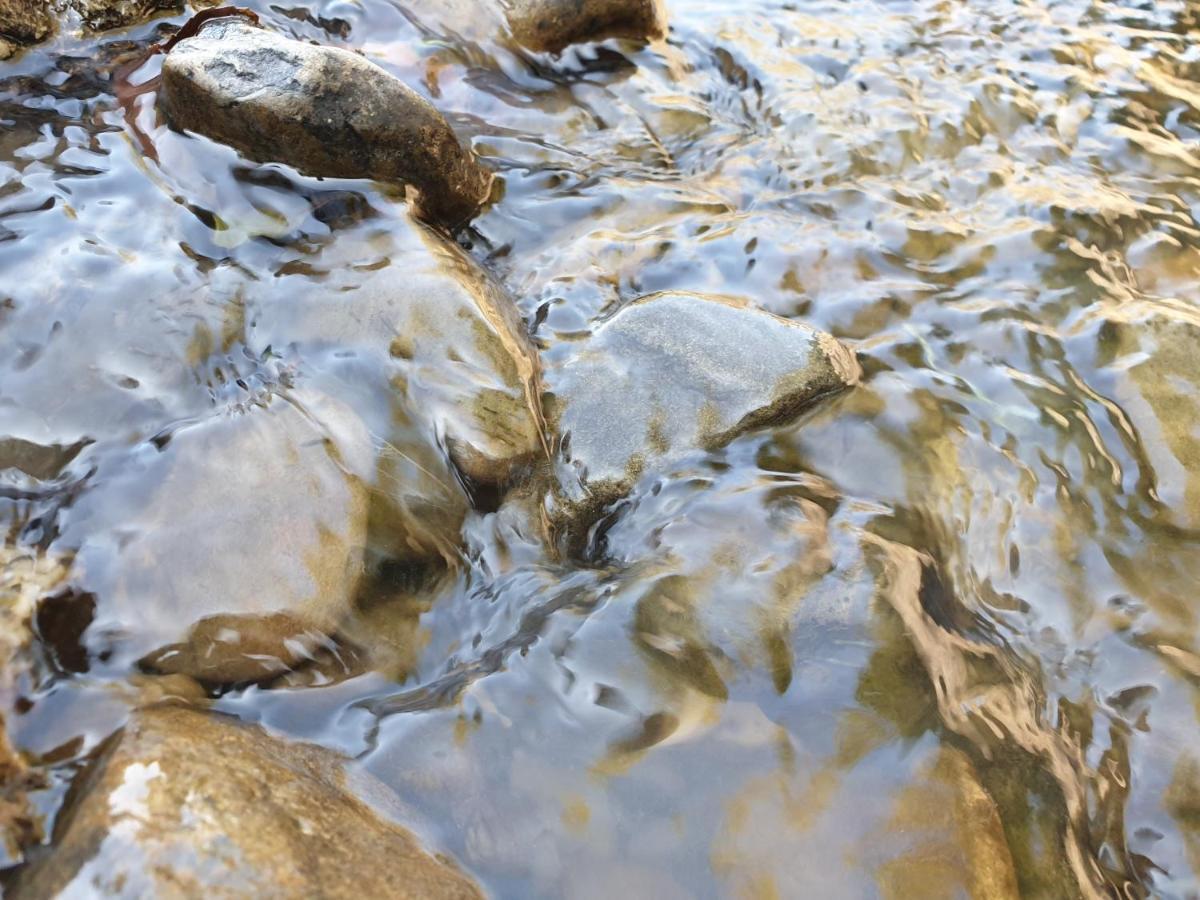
(673, 373)
(556, 24)
(325, 111)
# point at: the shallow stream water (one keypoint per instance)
(940, 638)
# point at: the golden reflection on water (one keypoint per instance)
(937, 639)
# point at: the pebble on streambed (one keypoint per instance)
(25, 22)
(325, 111)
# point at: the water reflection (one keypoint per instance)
(938, 638)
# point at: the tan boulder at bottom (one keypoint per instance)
(184, 804)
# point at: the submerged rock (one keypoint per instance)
(325, 111)
(183, 804)
(1154, 377)
(555, 24)
(444, 334)
(233, 551)
(24, 22)
(673, 373)
(740, 596)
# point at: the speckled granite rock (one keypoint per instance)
(325, 111)
(672, 373)
(185, 804)
(555, 24)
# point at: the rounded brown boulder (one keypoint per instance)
(555, 24)
(183, 803)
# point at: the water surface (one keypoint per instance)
(939, 638)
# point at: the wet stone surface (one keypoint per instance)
(252, 589)
(672, 374)
(183, 803)
(322, 110)
(604, 600)
(23, 22)
(556, 24)
(100, 15)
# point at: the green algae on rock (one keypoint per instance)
(672, 373)
(556, 24)
(326, 111)
(183, 803)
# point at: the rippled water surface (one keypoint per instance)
(939, 638)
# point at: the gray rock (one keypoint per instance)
(24, 22)
(672, 373)
(232, 553)
(325, 111)
(441, 329)
(555, 24)
(185, 804)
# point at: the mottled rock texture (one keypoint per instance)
(325, 111)
(26, 576)
(186, 804)
(556, 24)
(100, 15)
(24, 22)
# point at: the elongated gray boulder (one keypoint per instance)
(673, 373)
(555, 24)
(232, 553)
(325, 111)
(191, 804)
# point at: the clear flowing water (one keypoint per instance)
(938, 639)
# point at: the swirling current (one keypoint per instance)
(939, 637)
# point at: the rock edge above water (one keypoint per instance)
(325, 111)
(672, 373)
(554, 25)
